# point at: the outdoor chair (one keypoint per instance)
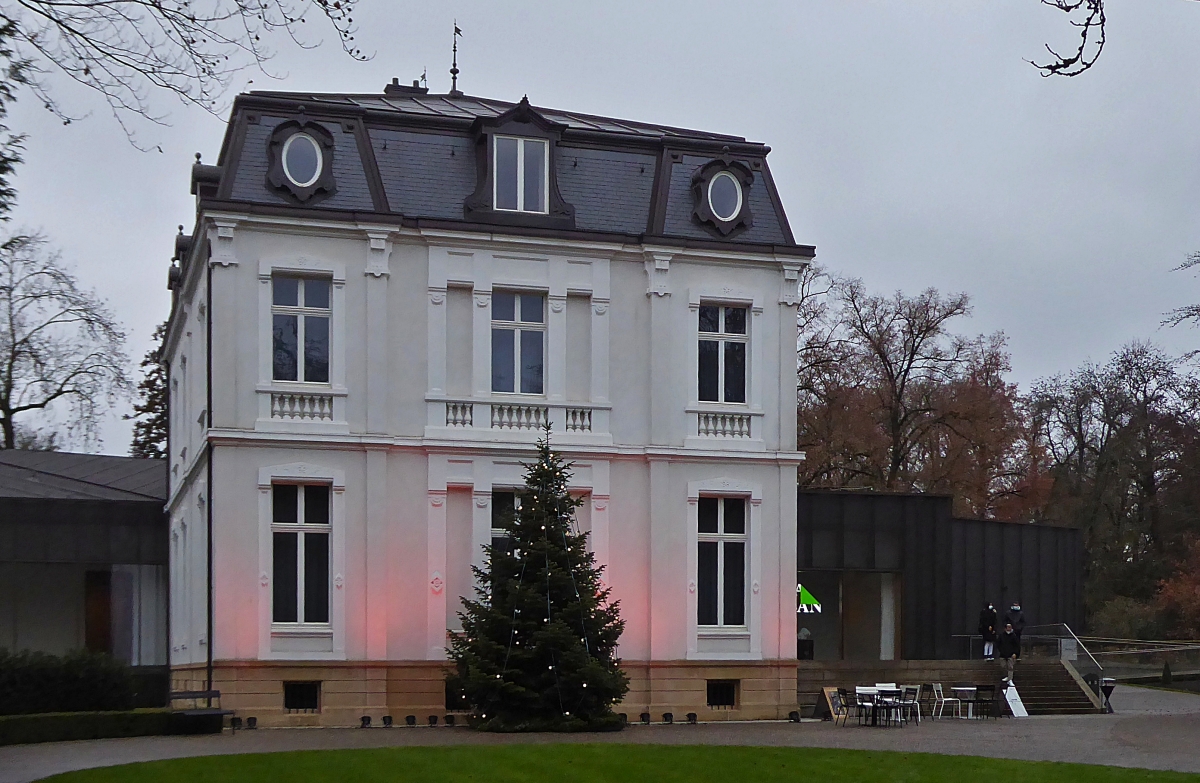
(888, 702)
(910, 703)
(851, 702)
(865, 703)
(940, 702)
(985, 701)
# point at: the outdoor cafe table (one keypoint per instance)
(966, 695)
(865, 690)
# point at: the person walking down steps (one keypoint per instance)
(987, 629)
(1015, 616)
(1008, 647)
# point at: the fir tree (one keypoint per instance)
(538, 648)
(150, 411)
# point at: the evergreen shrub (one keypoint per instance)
(36, 682)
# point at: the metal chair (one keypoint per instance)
(910, 703)
(984, 703)
(940, 702)
(888, 702)
(840, 703)
(865, 702)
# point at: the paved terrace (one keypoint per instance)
(1152, 729)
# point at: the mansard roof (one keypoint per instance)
(411, 157)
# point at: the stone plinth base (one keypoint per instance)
(764, 690)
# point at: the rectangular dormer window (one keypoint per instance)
(518, 342)
(521, 174)
(300, 328)
(722, 349)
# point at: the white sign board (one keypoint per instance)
(1014, 702)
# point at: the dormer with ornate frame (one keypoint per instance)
(300, 155)
(720, 190)
(516, 177)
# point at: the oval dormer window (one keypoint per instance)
(302, 159)
(725, 196)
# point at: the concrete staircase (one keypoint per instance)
(1047, 688)
(1045, 685)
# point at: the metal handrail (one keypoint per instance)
(1186, 648)
(1081, 644)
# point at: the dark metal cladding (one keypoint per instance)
(949, 567)
(58, 507)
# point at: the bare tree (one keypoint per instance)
(127, 49)
(59, 345)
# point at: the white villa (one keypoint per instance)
(383, 299)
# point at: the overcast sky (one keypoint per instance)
(912, 144)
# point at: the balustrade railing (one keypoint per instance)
(723, 425)
(579, 420)
(303, 406)
(519, 417)
(460, 414)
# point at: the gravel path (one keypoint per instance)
(1152, 729)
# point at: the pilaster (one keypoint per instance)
(379, 250)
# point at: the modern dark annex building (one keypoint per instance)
(897, 576)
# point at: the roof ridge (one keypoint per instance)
(500, 105)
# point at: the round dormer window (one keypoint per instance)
(724, 196)
(302, 159)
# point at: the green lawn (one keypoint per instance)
(610, 764)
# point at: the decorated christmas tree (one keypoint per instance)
(538, 647)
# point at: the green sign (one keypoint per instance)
(808, 604)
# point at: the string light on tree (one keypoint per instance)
(538, 648)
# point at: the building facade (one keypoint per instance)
(384, 299)
(83, 559)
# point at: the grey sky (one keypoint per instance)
(912, 144)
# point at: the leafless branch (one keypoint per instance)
(126, 50)
(1091, 38)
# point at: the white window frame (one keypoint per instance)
(517, 326)
(301, 641)
(712, 642)
(302, 312)
(544, 207)
(721, 337)
(301, 528)
(740, 196)
(720, 538)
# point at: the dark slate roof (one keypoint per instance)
(61, 475)
(467, 107)
(412, 157)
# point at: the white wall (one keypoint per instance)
(411, 336)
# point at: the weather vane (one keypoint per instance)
(454, 66)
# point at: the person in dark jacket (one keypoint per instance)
(1016, 617)
(1008, 647)
(987, 629)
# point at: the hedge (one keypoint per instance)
(33, 682)
(59, 726)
